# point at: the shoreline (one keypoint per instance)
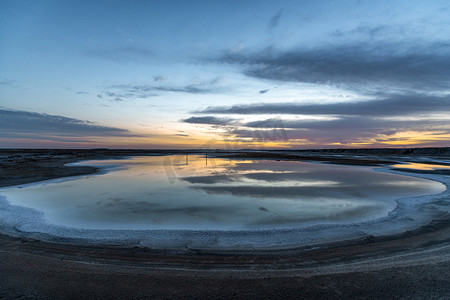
(421, 255)
(408, 214)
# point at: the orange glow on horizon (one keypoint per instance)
(173, 141)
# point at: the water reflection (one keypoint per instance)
(421, 166)
(180, 192)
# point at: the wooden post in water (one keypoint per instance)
(206, 157)
(187, 158)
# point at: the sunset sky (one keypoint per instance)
(224, 74)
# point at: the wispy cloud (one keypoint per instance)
(190, 89)
(6, 81)
(121, 92)
(209, 120)
(379, 31)
(125, 54)
(275, 20)
(159, 78)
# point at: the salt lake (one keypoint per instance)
(180, 192)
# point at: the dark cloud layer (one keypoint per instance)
(14, 123)
(362, 65)
(347, 122)
(393, 105)
(409, 79)
(210, 120)
(343, 130)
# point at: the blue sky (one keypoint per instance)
(186, 74)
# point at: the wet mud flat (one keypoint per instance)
(413, 264)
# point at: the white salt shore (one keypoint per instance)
(410, 213)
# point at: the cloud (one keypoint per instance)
(343, 129)
(346, 122)
(391, 105)
(408, 65)
(14, 123)
(159, 78)
(346, 129)
(6, 81)
(190, 89)
(405, 80)
(210, 120)
(123, 92)
(275, 20)
(405, 77)
(125, 54)
(370, 32)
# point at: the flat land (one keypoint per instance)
(413, 265)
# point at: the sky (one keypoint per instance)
(224, 74)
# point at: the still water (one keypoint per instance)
(421, 166)
(180, 192)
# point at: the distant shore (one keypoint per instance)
(412, 264)
(21, 166)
